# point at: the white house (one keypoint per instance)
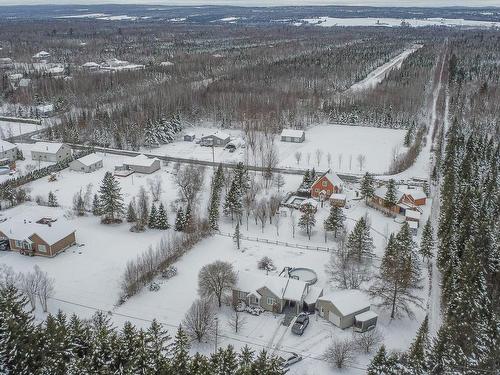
(292, 135)
(216, 139)
(142, 164)
(52, 152)
(8, 150)
(88, 163)
(41, 55)
(91, 66)
(45, 110)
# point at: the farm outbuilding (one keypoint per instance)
(338, 200)
(340, 308)
(88, 163)
(293, 135)
(325, 185)
(189, 137)
(365, 321)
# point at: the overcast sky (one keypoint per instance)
(431, 3)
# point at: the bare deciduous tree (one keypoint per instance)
(329, 159)
(293, 221)
(308, 155)
(298, 157)
(319, 155)
(261, 213)
(340, 353)
(45, 287)
(216, 279)
(189, 179)
(366, 342)
(155, 187)
(236, 320)
(339, 158)
(199, 321)
(361, 161)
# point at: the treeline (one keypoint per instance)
(64, 345)
(398, 102)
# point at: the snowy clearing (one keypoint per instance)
(13, 129)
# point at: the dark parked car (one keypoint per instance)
(301, 323)
(4, 245)
(291, 359)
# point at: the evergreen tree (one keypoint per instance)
(19, 338)
(335, 220)
(213, 210)
(131, 215)
(52, 200)
(55, 345)
(110, 199)
(427, 241)
(188, 220)
(153, 217)
(101, 356)
(200, 365)
(180, 357)
(391, 193)
(96, 210)
(418, 352)
(179, 220)
(125, 357)
(150, 134)
(367, 187)
(233, 204)
(397, 281)
(359, 242)
(237, 236)
(245, 360)
(158, 347)
(307, 221)
(162, 218)
(383, 364)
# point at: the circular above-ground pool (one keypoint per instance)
(303, 274)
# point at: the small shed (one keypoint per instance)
(293, 135)
(189, 137)
(88, 163)
(338, 200)
(341, 307)
(365, 321)
(142, 164)
(412, 215)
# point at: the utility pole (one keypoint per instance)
(216, 333)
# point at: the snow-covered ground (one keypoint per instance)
(344, 144)
(379, 74)
(12, 129)
(395, 22)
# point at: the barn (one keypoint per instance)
(325, 185)
(293, 135)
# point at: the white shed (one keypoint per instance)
(293, 135)
(88, 163)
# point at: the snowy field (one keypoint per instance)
(395, 22)
(12, 129)
(345, 144)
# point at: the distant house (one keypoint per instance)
(189, 137)
(338, 200)
(166, 63)
(8, 151)
(91, 66)
(24, 82)
(88, 163)
(326, 185)
(44, 237)
(342, 307)
(115, 65)
(404, 200)
(6, 63)
(42, 55)
(51, 152)
(272, 293)
(418, 196)
(292, 135)
(142, 164)
(45, 110)
(218, 139)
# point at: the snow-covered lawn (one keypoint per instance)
(345, 144)
(12, 129)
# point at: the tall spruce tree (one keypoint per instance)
(359, 242)
(180, 353)
(307, 220)
(391, 193)
(427, 241)
(367, 187)
(179, 220)
(110, 199)
(153, 217)
(213, 210)
(131, 215)
(162, 218)
(335, 220)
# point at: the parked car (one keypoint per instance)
(291, 359)
(301, 323)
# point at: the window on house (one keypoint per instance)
(324, 183)
(243, 295)
(316, 190)
(270, 301)
(42, 248)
